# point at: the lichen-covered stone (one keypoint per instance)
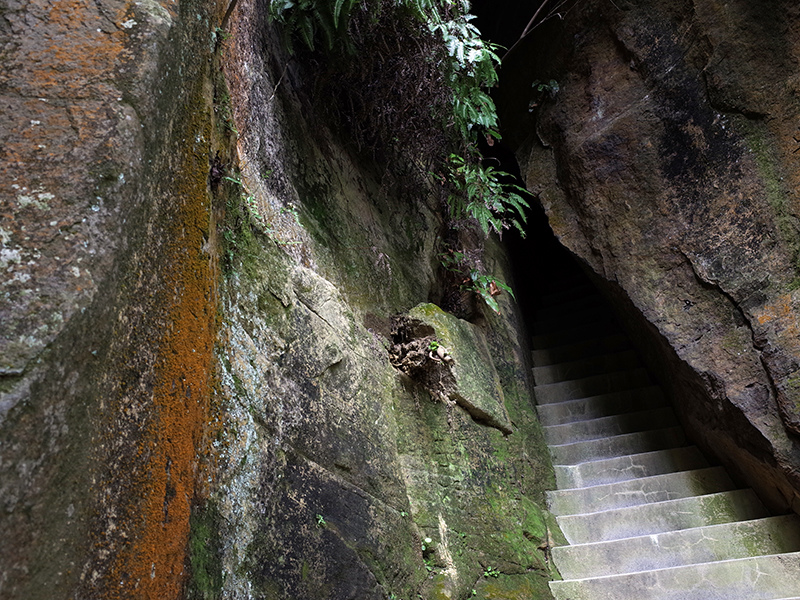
(109, 301)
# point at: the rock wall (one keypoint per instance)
(341, 476)
(108, 308)
(668, 163)
(196, 397)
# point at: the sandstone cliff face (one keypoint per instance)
(668, 163)
(196, 398)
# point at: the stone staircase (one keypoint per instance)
(645, 514)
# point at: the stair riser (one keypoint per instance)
(585, 317)
(596, 407)
(636, 492)
(610, 426)
(615, 342)
(621, 445)
(608, 363)
(629, 467)
(591, 386)
(566, 293)
(571, 336)
(564, 310)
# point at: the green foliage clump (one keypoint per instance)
(311, 19)
(481, 195)
(410, 78)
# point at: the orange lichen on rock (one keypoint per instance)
(781, 318)
(73, 51)
(152, 565)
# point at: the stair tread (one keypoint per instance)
(644, 490)
(739, 539)
(770, 577)
(659, 517)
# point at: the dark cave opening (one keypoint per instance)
(538, 258)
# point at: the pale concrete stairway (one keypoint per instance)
(645, 514)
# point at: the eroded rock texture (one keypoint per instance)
(668, 162)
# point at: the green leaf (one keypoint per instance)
(307, 32)
(505, 287)
(490, 302)
(337, 10)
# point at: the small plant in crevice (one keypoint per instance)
(468, 272)
(223, 110)
(542, 90)
(491, 572)
(320, 521)
(241, 224)
(428, 554)
(251, 204)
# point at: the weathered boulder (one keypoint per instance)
(667, 162)
(466, 366)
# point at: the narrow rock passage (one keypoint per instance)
(645, 514)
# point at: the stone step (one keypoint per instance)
(634, 492)
(740, 539)
(623, 468)
(585, 367)
(591, 386)
(573, 335)
(604, 405)
(592, 429)
(588, 315)
(569, 351)
(618, 445)
(568, 307)
(772, 577)
(660, 517)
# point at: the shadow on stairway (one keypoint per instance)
(645, 514)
